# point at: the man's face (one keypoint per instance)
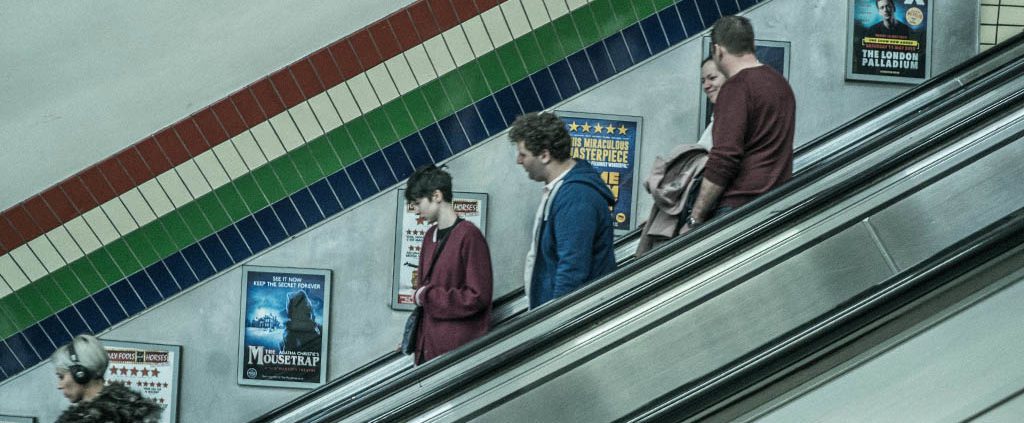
(71, 389)
(428, 208)
(886, 9)
(535, 165)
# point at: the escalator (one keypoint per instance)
(942, 343)
(853, 187)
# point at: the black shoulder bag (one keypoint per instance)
(412, 324)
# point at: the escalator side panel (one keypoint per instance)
(681, 349)
(906, 236)
(950, 371)
(598, 374)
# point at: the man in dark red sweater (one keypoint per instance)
(752, 140)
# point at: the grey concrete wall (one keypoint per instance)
(82, 80)
(357, 245)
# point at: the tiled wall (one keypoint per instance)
(301, 145)
(1000, 20)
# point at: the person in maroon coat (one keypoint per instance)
(455, 280)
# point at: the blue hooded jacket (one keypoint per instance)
(575, 245)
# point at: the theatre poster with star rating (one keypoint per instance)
(151, 369)
(889, 40)
(409, 231)
(611, 143)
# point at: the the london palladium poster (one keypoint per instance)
(889, 40)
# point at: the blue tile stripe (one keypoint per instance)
(363, 179)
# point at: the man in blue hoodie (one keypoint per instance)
(572, 231)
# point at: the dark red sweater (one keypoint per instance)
(457, 299)
(752, 140)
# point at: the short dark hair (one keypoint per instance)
(735, 34)
(427, 179)
(542, 131)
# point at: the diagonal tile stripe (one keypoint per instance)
(186, 186)
(265, 184)
(163, 150)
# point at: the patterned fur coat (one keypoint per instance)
(115, 404)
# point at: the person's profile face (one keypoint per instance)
(533, 164)
(428, 208)
(711, 79)
(67, 386)
(886, 9)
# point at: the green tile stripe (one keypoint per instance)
(320, 157)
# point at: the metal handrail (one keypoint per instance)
(910, 107)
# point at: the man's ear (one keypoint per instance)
(545, 156)
(436, 196)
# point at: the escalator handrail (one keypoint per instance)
(1009, 70)
(907, 100)
(824, 332)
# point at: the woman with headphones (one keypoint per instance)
(81, 365)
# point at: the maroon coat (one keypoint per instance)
(457, 299)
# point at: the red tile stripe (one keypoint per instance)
(232, 115)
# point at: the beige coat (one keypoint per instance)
(671, 182)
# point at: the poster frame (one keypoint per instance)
(638, 140)
(325, 327)
(705, 102)
(400, 210)
(851, 24)
(8, 418)
(172, 407)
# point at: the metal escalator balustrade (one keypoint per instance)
(898, 114)
(528, 362)
(932, 328)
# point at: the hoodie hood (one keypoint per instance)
(584, 173)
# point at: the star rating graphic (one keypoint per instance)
(143, 384)
(598, 128)
(415, 232)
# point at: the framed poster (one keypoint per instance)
(771, 53)
(889, 40)
(409, 231)
(152, 369)
(611, 143)
(283, 326)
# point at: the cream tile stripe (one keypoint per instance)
(278, 136)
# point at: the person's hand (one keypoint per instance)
(692, 222)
